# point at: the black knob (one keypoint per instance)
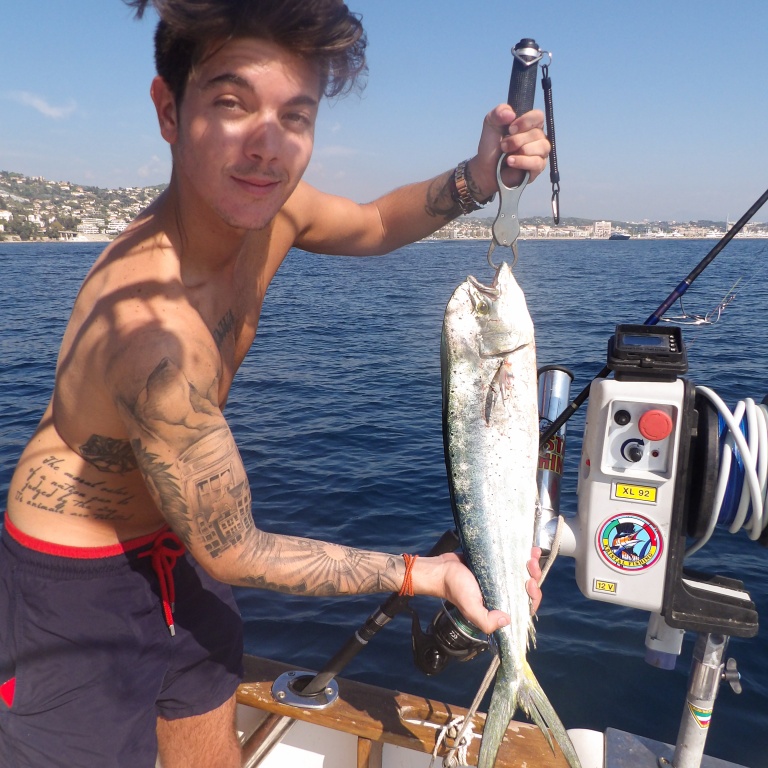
(622, 417)
(634, 451)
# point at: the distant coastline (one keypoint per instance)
(581, 239)
(524, 238)
(75, 241)
(34, 209)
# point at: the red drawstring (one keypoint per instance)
(7, 691)
(166, 550)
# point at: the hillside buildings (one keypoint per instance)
(34, 208)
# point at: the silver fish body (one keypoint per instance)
(490, 430)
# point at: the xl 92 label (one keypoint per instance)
(632, 492)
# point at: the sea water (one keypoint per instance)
(337, 413)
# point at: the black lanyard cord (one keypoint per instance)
(554, 172)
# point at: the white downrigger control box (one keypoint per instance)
(628, 503)
(626, 490)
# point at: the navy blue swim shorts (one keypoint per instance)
(90, 654)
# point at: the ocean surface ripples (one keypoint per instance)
(337, 414)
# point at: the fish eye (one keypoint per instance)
(481, 305)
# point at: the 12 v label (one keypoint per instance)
(605, 586)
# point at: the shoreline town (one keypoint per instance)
(34, 209)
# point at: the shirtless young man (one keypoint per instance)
(133, 460)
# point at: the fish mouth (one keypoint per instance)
(495, 340)
(489, 290)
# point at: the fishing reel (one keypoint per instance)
(449, 637)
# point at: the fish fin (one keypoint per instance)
(531, 637)
(498, 391)
(490, 400)
(526, 693)
(500, 712)
(534, 702)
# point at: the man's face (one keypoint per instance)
(246, 130)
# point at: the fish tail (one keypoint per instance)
(534, 702)
(500, 711)
(509, 693)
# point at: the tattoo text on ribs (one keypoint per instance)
(51, 487)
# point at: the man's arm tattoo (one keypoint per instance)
(309, 567)
(224, 328)
(204, 493)
(202, 490)
(439, 200)
(165, 486)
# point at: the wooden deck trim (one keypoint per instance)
(370, 754)
(391, 717)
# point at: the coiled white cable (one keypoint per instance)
(754, 456)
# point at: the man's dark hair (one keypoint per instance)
(323, 32)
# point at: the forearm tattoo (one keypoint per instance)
(439, 200)
(204, 494)
(307, 567)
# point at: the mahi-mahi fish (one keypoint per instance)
(491, 434)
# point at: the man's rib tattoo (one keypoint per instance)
(108, 454)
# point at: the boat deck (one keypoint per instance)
(383, 727)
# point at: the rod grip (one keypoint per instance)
(522, 82)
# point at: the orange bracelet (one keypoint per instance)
(407, 589)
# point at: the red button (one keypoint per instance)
(655, 425)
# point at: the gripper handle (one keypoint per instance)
(522, 83)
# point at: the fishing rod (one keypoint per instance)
(654, 318)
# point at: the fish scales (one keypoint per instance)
(490, 430)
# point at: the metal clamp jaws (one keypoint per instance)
(506, 226)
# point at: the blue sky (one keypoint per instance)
(661, 107)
